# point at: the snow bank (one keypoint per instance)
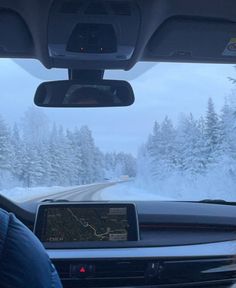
(19, 194)
(217, 184)
(128, 191)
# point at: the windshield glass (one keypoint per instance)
(176, 142)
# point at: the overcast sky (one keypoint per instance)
(160, 89)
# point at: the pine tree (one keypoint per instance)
(75, 157)
(191, 148)
(212, 132)
(17, 153)
(5, 147)
(153, 147)
(87, 147)
(35, 126)
(228, 129)
(167, 148)
(55, 161)
(6, 154)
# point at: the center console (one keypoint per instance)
(100, 245)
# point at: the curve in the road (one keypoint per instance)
(82, 193)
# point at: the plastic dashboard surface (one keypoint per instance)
(164, 224)
(191, 250)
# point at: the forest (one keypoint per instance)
(34, 153)
(193, 156)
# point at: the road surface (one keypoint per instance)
(82, 193)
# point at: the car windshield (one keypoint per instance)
(176, 142)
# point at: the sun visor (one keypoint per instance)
(193, 40)
(15, 38)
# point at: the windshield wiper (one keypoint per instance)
(215, 201)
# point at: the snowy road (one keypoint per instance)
(108, 191)
(84, 193)
(81, 193)
(116, 191)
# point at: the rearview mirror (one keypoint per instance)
(73, 93)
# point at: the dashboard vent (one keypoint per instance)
(147, 272)
(71, 7)
(97, 7)
(103, 273)
(121, 8)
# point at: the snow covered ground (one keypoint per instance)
(214, 186)
(121, 191)
(19, 194)
(128, 191)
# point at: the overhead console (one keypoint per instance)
(193, 39)
(116, 34)
(99, 33)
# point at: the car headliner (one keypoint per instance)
(165, 25)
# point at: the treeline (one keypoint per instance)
(33, 153)
(192, 148)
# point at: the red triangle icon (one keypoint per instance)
(82, 270)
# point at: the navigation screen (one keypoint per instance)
(86, 222)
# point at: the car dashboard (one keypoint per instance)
(180, 244)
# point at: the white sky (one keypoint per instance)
(162, 89)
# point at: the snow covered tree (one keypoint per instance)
(91, 159)
(163, 152)
(212, 132)
(32, 170)
(129, 165)
(154, 142)
(74, 157)
(5, 146)
(191, 146)
(17, 154)
(6, 153)
(110, 165)
(35, 126)
(118, 164)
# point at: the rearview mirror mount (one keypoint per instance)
(74, 93)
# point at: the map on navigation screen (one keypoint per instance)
(75, 224)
